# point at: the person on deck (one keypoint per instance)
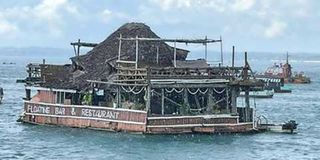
(1, 94)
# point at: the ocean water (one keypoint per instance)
(24, 141)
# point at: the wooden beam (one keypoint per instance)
(119, 51)
(200, 41)
(157, 54)
(233, 100)
(84, 44)
(162, 101)
(188, 85)
(221, 49)
(78, 51)
(137, 51)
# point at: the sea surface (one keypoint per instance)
(24, 141)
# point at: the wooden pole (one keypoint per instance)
(78, 51)
(209, 101)
(28, 94)
(74, 49)
(227, 101)
(233, 100)
(148, 103)
(157, 54)
(162, 101)
(233, 52)
(221, 51)
(247, 101)
(118, 97)
(175, 54)
(137, 51)
(119, 51)
(206, 49)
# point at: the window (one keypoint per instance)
(60, 96)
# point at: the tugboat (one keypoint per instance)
(284, 71)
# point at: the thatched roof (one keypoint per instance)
(98, 63)
(109, 48)
(199, 63)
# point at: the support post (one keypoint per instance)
(233, 101)
(157, 54)
(137, 51)
(227, 100)
(118, 97)
(78, 51)
(233, 52)
(148, 99)
(221, 51)
(245, 77)
(175, 54)
(186, 100)
(206, 49)
(210, 102)
(162, 101)
(119, 51)
(28, 94)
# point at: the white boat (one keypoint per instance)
(259, 94)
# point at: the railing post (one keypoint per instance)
(137, 51)
(119, 51)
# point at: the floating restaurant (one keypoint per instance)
(135, 82)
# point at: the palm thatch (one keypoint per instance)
(98, 64)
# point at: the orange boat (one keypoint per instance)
(285, 71)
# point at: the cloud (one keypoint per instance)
(47, 16)
(107, 15)
(7, 29)
(217, 5)
(242, 5)
(275, 29)
(169, 4)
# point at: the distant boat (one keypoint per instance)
(284, 71)
(283, 89)
(259, 94)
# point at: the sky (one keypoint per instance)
(250, 25)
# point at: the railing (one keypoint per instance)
(126, 74)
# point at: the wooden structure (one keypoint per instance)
(144, 98)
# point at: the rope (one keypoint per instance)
(169, 91)
(193, 93)
(204, 91)
(142, 88)
(198, 90)
(175, 90)
(131, 90)
(178, 90)
(218, 91)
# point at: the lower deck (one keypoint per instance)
(128, 120)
